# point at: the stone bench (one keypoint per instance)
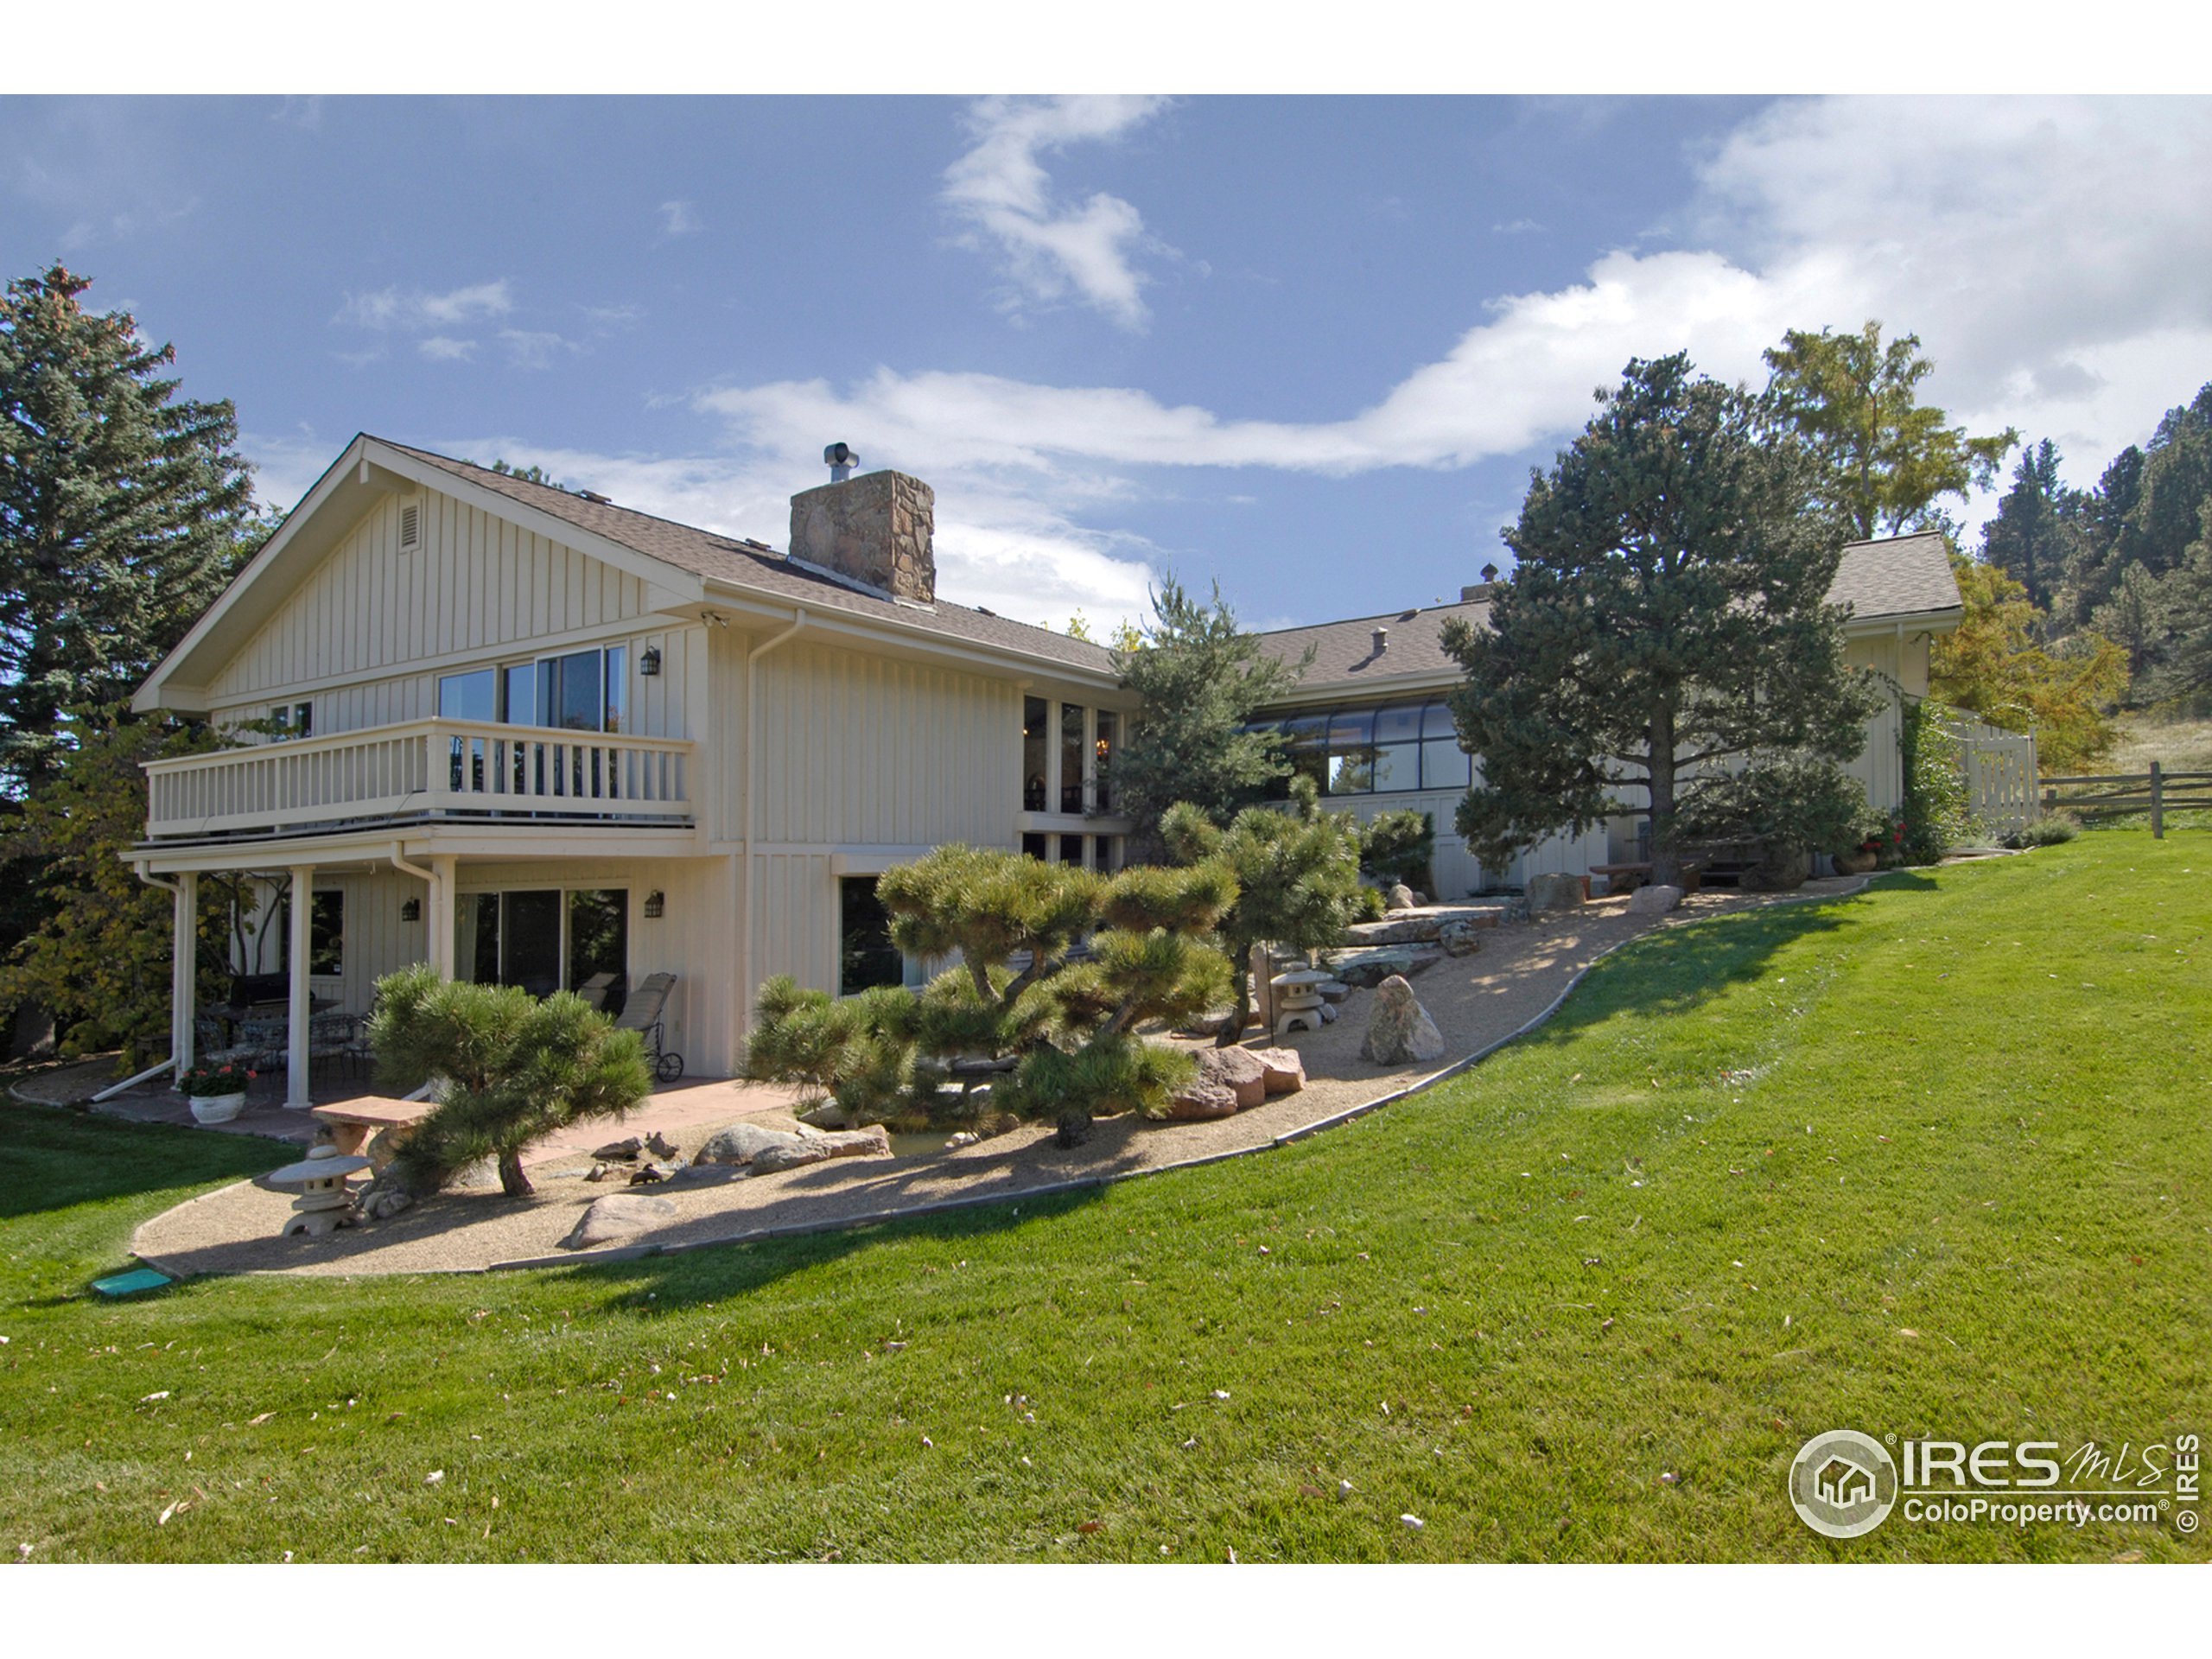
(351, 1122)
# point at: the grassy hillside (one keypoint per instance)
(1931, 1161)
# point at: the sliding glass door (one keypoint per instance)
(544, 939)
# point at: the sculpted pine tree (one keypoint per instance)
(1668, 614)
(124, 509)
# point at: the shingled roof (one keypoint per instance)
(761, 569)
(1897, 576)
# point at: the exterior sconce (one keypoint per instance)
(649, 661)
(656, 905)
(410, 910)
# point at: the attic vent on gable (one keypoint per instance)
(410, 528)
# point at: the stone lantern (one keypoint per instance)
(324, 1205)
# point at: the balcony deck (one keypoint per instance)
(425, 769)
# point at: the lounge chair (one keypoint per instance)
(642, 1013)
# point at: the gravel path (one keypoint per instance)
(1476, 1001)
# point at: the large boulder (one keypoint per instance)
(1237, 1069)
(873, 1141)
(1554, 893)
(741, 1143)
(1654, 900)
(1283, 1071)
(1399, 1033)
(1399, 897)
(617, 1216)
(828, 1116)
(1197, 1102)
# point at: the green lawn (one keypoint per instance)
(1931, 1161)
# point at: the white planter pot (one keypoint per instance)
(216, 1108)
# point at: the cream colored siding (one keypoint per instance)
(857, 750)
(1878, 766)
(377, 941)
(477, 585)
(795, 919)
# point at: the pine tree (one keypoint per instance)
(124, 510)
(2032, 539)
(1201, 678)
(1667, 613)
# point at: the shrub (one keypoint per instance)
(2049, 830)
(1786, 801)
(1399, 847)
(1935, 815)
(1054, 1033)
(516, 1068)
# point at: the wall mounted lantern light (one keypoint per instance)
(410, 910)
(649, 661)
(656, 905)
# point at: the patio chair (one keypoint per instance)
(213, 1046)
(642, 1013)
(598, 989)
(332, 1037)
(265, 1041)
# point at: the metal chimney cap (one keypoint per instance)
(1381, 640)
(1490, 572)
(838, 454)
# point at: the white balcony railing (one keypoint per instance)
(427, 768)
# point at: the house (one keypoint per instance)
(533, 736)
(1368, 719)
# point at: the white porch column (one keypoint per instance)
(297, 1096)
(184, 971)
(443, 912)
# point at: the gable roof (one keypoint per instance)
(1882, 582)
(678, 561)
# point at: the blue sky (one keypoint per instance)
(1308, 346)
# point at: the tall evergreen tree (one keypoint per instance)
(1667, 613)
(124, 509)
(1882, 458)
(2031, 537)
(1201, 677)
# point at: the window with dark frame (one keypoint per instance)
(865, 957)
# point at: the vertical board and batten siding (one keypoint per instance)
(857, 750)
(477, 586)
(1880, 765)
(794, 908)
(376, 941)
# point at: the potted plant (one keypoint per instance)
(217, 1092)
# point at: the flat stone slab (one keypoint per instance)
(1370, 968)
(1423, 925)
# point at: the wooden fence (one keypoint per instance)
(2156, 792)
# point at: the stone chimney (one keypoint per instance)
(873, 530)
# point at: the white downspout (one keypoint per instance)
(183, 980)
(752, 809)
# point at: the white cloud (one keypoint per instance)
(1050, 247)
(2050, 254)
(390, 308)
(443, 348)
(678, 218)
(536, 348)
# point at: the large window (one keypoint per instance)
(544, 939)
(326, 933)
(1036, 753)
(1067, 757)
(1369, 750)
(865, 957)
(1071, 757)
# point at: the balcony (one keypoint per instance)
(426, 769)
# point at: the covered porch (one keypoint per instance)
(317, 920)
